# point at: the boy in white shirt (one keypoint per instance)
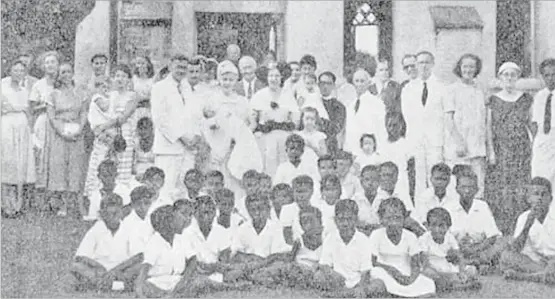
(107, 175)
(214, 181)
(225, 203)
(155, 178)
(474, 227)
(330, 189)
(258, 247)
(303, 190)
(250, 184)
(437, 195)
(103, 260)
(296, 165)
(368, 219)
(137, 223)
(169, 264)
(530, 255)
(345, 263)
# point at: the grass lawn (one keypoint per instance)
(36, 253)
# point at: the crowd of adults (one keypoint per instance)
(235, 115)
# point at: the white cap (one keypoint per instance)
(227, 66)
(508, 65)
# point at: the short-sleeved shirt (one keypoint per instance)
(350, 260)
(286, 171)
(478, 223)
(350, 186)
(308, 257)
(99, 244)
(168, 261)
(397, 256)
(139, 232)
(429, 200)
(401, 194)
(437, 253)
(269, 241)
(367, 212)
(541, 237)
(328, 217)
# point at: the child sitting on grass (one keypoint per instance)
(330, 189)
(137, 223)
(530, 255)
(225, 203)
(303, 189)
(368, 211)
(107, 174)
(193, 182)
(282, 195)
(103, 261)
(396, 254)
(442, 259)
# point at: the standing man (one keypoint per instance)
(336, 111)
(174, 131)
(249, 84)
(543, 110)
(233, 53)
(386, 89)
(27, 59)
(409, 67)
(422, 107)
(99, 63)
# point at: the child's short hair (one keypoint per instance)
(346, 205)
(215, 174)
(308, 59)
(99, 55)
(441, 168)
(264, 198)
(293, 140)
(439, 213)
(344, 155)
(141, 193)
(370, 168)
(193, 171)
(371, 136)
(311, 210)
(541, 181)
(202, 201)
(302, 180)
(389, 164)
(153, 171)
(325, 158)
(282, 187)
(330, 180)
(108, 165)
(469, 174)
(144, 123)
(264, 176)
(312, 76)
(460, 168)
(393, 202)
(251, 174)
(111, 200)
(162, 218)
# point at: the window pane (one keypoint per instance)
(367, 39)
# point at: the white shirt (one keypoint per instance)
(350, 186)
(401, 194)
(541, 237)
(429, 200)
(478, 223)
(350, 260)
(167, 260)
(437, 253)
(120, 189)
(308, 257)
(289, 217)
(538, 113)
(367, 212)
(328, 217)
(369, 119)
(269, 241)
(139, 232)
(397, 256)
(286, 171)
(99, 244)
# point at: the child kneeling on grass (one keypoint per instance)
(442, 259)
(102, 261)
(530, 255)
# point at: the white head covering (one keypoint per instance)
(247, 61)
(225, 67)
(508, 65)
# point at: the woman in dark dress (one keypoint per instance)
(510, 168)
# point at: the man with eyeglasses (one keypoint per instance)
(336, 111)
(409, 67)
(422, 107)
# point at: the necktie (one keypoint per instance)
(425, 94)
(180, 91)
(357, 105)
(249, 92)
(547, 115)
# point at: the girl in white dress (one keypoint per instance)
(368, 154)
(310, 96)
(314, 139)
(396, 254)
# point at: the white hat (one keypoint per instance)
(227, 66)
(508, 65)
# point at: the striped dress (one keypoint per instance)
(125, 159)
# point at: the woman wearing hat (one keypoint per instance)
(510, 166)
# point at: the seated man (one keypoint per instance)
(102, 260)
(531, 253)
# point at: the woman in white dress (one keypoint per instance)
(18, 163)
(276, 115)
(40, 93)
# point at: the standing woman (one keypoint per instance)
(65, 153)
(277, 113)
(18, 162)
(143, 79)
(40, 93)
(511, 129)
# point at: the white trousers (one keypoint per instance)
(425, 157)
(174, 167)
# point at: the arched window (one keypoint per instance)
(367, 28)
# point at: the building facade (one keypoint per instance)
(332, 31)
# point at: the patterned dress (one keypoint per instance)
(125, 159)
(512, 146)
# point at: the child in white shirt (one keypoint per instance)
(102, 111)
(368, 154)
(330, 190)
(442, 259)
(137, 223)
(396, 253)
(103, 260)
(310, 96)
(303, 189)
(297, 164)
(530, 255)
(309, 130)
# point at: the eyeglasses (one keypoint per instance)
(406, 67)
(325, 83)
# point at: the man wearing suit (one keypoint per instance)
(385, 88)
(249, 84)
(336, 111)
(174, 133)
(409, 67)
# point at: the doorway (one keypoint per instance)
(250, 31)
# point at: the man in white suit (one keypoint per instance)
(422, 107)
(174, 131)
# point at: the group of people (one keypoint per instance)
(212, 175)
